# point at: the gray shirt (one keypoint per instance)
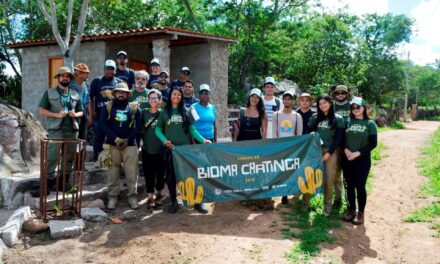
(286, 125)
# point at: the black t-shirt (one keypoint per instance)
(100, 91)
(306, 117)
(128, 74)
(153, 78)
(177, 84)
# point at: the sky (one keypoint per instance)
(424, 47)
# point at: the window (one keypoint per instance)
(54, 64)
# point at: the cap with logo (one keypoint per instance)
(256, 92)
(269, 80)
(155, 62)
(358, 101)
(121, 52)
(185, 69)
(110, 64)
(204, 87)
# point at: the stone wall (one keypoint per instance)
(36, 68)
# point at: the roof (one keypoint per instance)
(140, 33)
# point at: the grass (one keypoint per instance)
(430, 167)
(312, 228)
(394, 126)
(432, 118)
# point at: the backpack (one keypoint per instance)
(133, 109)
(278, 102)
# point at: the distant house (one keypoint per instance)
(205, 54)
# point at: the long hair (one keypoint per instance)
(365, 114)
(330, 115)
(260, 106)
(180, 108)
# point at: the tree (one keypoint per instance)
(64, 44)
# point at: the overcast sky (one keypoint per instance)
(424, 47)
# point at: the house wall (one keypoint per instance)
(35, 69)
(141, 52)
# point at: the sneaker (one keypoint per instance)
(358, 219)
(201, 208)
(158, 199)
(173, 207)
(284, 200)
(132, 202)
(349, 215)
(112, 201)
(151, 204)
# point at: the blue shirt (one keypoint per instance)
(128, 74)
(205, 123)
(187, 102)
(83, 93)
(151, 80)
(100, 91)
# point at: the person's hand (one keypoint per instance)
(123, 144)
(347, 153)
(354, 155)
(72, 114)
(207, 141)
(326, 157)
(118, 141)
(168, 144)
(62, 114)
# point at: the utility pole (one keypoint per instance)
(405, 110)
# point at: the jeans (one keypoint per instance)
(98, 139)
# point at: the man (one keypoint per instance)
(305, 102)
(163, 87)
(123, 72)
(79, 84)
(188, 94)
(62, 107)
(155, 71)
(286, 123)
(271, 103)
(100, 93)
(121, 122)
(183, 77)
(341, 97)
(140, 89)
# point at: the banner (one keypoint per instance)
(248, 170)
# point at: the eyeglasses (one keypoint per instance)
(356, 107)
(163, 76)
(185, 73)
(186, 86)
(153, 98)
(340, 93)
(139, 78)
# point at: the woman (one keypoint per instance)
(253, 120)
(330, 128)
(174, 128)
(360, 140)
(152, 164)
(204, 114)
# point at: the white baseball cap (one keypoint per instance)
(110, 63)
(155, 61)
(185, 69)
(269, 80)
(255, 91)
(204, 87)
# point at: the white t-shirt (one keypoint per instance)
(271, 107)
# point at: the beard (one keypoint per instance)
(64, 83)
(142, 86)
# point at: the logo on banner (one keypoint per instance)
(313, 179)
(187, 193)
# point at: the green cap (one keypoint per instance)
(358, 101)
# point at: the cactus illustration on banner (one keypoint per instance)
(187, 193)
(313, 179)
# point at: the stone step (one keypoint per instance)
(90, 192)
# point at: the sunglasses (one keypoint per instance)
(356, 107)
(185, 73)
(340, 93)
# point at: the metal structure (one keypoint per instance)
(66, 201)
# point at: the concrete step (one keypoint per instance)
(90, 193)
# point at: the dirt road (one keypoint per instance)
(231, 233)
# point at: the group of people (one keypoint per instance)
(129, 109)
(347, 138)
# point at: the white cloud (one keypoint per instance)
(427, 16)
(420, 54)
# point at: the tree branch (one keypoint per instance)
(69, 23)
(81, 25)
(52, 20)
(7, 57)
(193, 17)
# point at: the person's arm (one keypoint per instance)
(372, 143)
(137, 128)
(264, 127)
(299, 125)
(215, 132)
(196, 135)
(339, 134)
(46, 113)
(275, 125)
(77, 111)
(103, 116)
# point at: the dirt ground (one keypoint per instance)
(232, 233)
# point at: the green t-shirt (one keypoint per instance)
(66, 124)
(140, 97)
(151, 142)
(173, 127)
(343, 110)
(324, 130)
(357, 133)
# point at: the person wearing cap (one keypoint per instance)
(140, 92)
(342, 97)
(252, 123)
(188, 94)
(330, 128)
(360, 140)
(286, 123)
(62, 107)
(305, 101)
(174, 128)
(101, 93)
(80, 85)
(271, 103)
(204, 114)
(155, 71)
(121, 122)
(183, 77)
(152, 163)
(122, 71)
(163, 86)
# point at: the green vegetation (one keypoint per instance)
(430, 167)
(376, 156)
(396, 125)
